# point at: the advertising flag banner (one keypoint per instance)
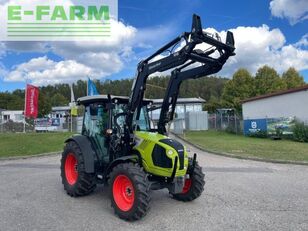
(31, 101)
(92, 88)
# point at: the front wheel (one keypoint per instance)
(129, 188)
(193, 186)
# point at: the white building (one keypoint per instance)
(183, 106)
(266, 112)
(188, 114)
(60, 112)
(15, 116)
(288, 103)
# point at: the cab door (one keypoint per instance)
(95, 123)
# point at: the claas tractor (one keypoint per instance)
(120, 147)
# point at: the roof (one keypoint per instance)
(284, 92)
(12, 111)
(61, 108)
(124, 99)
(99, 98)
(182, 100)
(104, 98)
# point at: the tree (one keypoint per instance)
(292, 78)
(240, 87)
(212, 105)
(58, 100)
(267, 80)
(11, 101)
(44, 105)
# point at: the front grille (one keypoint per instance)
(178, 147)
(160, 158)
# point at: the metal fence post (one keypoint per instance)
(235, 124)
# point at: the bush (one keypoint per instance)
(258, 134)
(300, 132)
(279, 132)
(230, 129)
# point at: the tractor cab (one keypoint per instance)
(105, 117)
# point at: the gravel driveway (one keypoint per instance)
(239, 195)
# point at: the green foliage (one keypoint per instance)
(212, 105)
(258, 134)
(218, 92)
(240, 87)
(44, 105)
(292, 78)
(21, 144)
(267, 80)
(230, 129)
(279, 132)
(208, 88)
(300, 132)
(11, 101)
(223, 142)
(11, 126)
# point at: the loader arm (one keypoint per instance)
(190, 71)
(184, 55)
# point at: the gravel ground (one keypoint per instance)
(239, 195)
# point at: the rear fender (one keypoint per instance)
(87, 151)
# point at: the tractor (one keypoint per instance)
(119, 146)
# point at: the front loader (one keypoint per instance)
(117, 145)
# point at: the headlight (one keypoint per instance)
(169, 152)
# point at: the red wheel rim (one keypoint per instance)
(71, 173)
(187, 186)
(123, 192)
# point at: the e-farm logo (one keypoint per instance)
(51, 21)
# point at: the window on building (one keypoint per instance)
(197, 107)
(179, 109)
(18, 117)
(189, 107)
(6, 117)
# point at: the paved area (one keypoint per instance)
(239, 195)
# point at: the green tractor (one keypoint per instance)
(120, 147)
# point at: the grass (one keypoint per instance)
(19, 144)
(223, 142)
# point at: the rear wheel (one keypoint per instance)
(193, 186)
(75, 180)
(129, 189)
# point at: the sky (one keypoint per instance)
(267, 32)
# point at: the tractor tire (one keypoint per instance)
(129, 190)
(193, 186)
(75, 180)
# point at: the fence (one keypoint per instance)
(68, 124)
(199, 121)
(230, 123)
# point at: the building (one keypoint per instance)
(183, 106)
(10, 115)
(60, 112)
(267, 112)
(188, 114)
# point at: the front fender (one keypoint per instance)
(123, 159)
